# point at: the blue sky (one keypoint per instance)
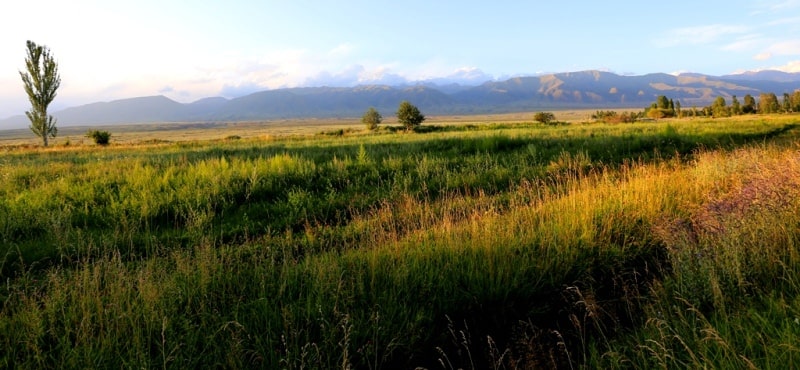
(188, 50)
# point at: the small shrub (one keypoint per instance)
(372, 118)
(544, 117)
(339, 132)
(99, 137)
(614, 117)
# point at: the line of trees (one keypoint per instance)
(615, 117)
(767, 103)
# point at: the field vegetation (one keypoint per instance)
(500, 245)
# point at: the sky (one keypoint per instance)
(188, 50)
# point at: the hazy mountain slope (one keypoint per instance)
(599, 89)
(135, 110)
(768, 75)
(585, 89)
(327, 102)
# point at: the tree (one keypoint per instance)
(372, 118)
(663, 107)
(99, 137)
(662, 102)
(719, 107)
(787, 103)
(736, 107)
(678, 110)
(655, 113)
(749, 104)
(409, 115)
(768, 103)
(41, 82)
(544, 117)
(796, 101)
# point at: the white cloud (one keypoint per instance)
(773, 6)
(342, 50)
(784, 21)
(763, 56)
(699, 35)
(785, 4)
(470, 74)
(791, 67)
(789, 47)
(745, 43)
(386, 75)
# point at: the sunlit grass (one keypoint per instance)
(671, 244)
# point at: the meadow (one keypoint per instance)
(472, 244)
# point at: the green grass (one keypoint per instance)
(506, 245)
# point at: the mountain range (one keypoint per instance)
(585, 89)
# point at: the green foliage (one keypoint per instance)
(736, 107)
(663, 107)
(786, 105)
(657, 113)
(544, 117)
(796, 101)
(749, 105)
(719, 107)
(409, 115)
(99, 137)
(41, 81)
(662, 102)
(372, 118)
(768, 103)
(615, 117)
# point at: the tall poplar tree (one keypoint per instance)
(749, 104)
(768, 103)
(736, 107)
(41, 81)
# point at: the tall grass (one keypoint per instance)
(521, 247)
(732, 299)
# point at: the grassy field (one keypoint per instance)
(176, 132)
(474, 244)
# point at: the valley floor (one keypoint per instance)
(497, 244)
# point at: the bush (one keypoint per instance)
(544, 117)
(372, 118)
(99, 137)
(614, 117)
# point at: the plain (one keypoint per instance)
(473, 245)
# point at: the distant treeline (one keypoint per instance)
(664, 107)
(767, 103)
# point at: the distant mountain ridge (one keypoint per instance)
(584, 89)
